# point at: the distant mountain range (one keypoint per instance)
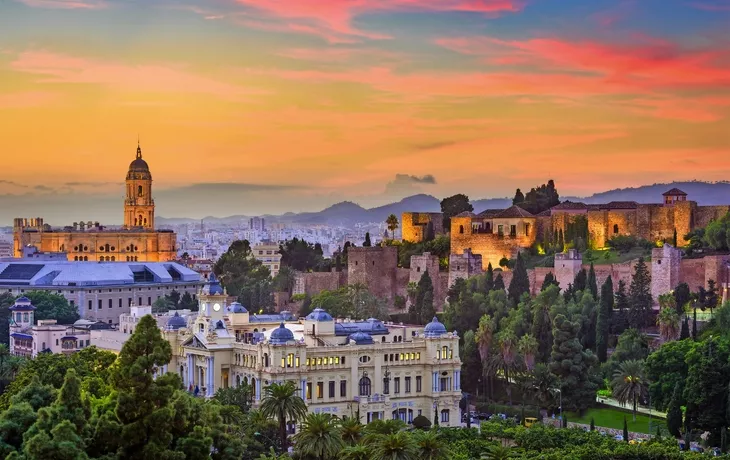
(347, 213)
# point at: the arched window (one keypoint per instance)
(114, 259)
(139, 190)
(107, 247)
(139, 220)
(266, 360)
(461, 229)
(76, 258)
(86, 258)
(365, 386)
(615, 229)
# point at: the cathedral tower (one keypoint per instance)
(139, 207)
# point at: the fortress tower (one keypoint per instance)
(139, 207)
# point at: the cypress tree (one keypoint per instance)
(548, 281)
(723, 440)
(498, 283)
(684, 334)
(561, 241)
(593, 424)
(422, 309)
(592, 283)
(640, 296)
(430, 233)
(565, 421)
(694, 325)
(581, 280)
(682, 296)
(626, 430)
(674, 238)
(367, 242)
(674, 412)
(520, 283)
(572, 365)
(489, 279)
(603, 322)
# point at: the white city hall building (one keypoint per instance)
(374, 369)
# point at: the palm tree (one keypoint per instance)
(392, 222)
(528, 346)
(356, 452)
(281, 401)
(544, 383)
(320, 437)
(668, 321)
(395, 446)
(430, 445)
(483, 336)
(375, 430)
(629, 384)
(499, 452)
(351, 431)
(506, 360)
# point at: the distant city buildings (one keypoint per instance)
(268, 254)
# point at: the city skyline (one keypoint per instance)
(296, 107)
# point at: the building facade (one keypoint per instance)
(100, 291)
(374, 369)
(268, 254)
(136, 241)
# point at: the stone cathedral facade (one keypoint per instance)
(136, 241)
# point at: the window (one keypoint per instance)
(615, 229)
(364, 359)
(408, 384)
(320, 390)
(332, 389)
(444, 383)
(527, 229)
(309, 390)
(99, 302)
(461, 229)
(386, 386)
(418, 384)
(513, 230)
(111, 302)
(445, 416)
(396, 385)
(139, 193)
(500, 230)
(364, 386)
(343, 388)
(120, 302)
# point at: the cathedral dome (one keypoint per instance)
(139, 169)
(361, 338)
(176, 322)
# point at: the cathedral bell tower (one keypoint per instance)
(139, 207)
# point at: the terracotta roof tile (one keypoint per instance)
(674, 192)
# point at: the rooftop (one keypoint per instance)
(674, 192)
(65, 273)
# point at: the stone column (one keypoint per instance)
(211, 377)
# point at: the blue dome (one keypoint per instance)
(281, 335)
(214, 287)
(22, 299)
(237, 308)
(361, 338)
(434, 328)
(319, 315)
(176, 322)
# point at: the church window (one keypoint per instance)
(114, 259)
(76, 258)
(86, 258)
(86, 248)
(139, 190)
(113, 249)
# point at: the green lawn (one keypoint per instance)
(609, 256)
(610, 417)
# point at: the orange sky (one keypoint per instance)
(322, 101)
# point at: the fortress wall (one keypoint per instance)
(315, 282)
(413, 225)
(692, 272)
(715, 269)
(376, 267)
(684, 211)
(704, 214)
(441, 285)
(644, 220)
(402, 276)
(537, 276)
(598, 228)
(662, 224)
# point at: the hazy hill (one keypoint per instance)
(347, 213)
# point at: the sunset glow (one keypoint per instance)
(319, 101)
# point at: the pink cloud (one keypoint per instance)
(696, 110)
(336, 16)
(652, 64)
(66, 4)
(61, 68)
(716, 5)
(27, 99)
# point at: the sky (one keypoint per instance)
(292, 105)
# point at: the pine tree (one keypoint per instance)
(592, 283)
(572, 365)
(143, 403)
(520, 283)
(581, 280)
(640, 296)
(684, 334)
(674, 412)
(367, 242)
(498, 283)
(603, 322)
